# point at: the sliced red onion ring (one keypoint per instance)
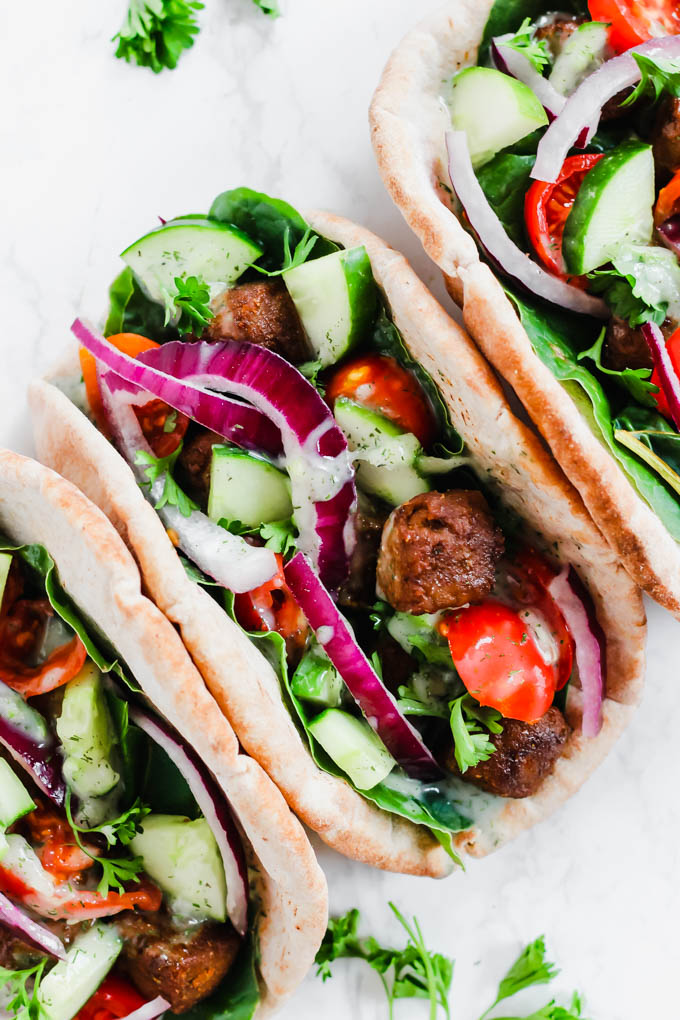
(502, 251)
(29, 931)
(510, 61)
(670, 384)
(574, 602)
(581, 114)
(24, 733)
(317, 457)
(214, 807)
(669, 232)
(400, 738)
(150, 1010)
(227, 558)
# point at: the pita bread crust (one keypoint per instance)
(508, 457)
(98, 572)
(408, 123)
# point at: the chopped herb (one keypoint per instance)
(280, 536)
(292, 259)
(535, 50)
(161, 467)
(21, 1001)
(119, 830)
(471, 724)
(156, 32)
(658, 74)
(191, 300)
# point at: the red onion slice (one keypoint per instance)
(24, 733)
(502, 251)
(214, 807)
(581, 114)
(150, 1010)
(400, 738)
(669, 232)
(670, 384)
(510, 61)
(29, 931)
(575, 604)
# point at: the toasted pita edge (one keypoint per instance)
(408, 123)
(99, 574)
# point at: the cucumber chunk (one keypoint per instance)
(387, 456)
(583, 52)
(494, 110)
(15, 801)
(198, 246)
(71, 982)
(353, 746)
(183, 858)
(613, 208)
(317, 681)
(247, 488)
(87, 736)
(5, 564)
(335, 297)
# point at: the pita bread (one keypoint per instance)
(408, 122)
(507, 456)
(98, 572)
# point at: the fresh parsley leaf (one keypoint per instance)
(121, 830)
(658, 74)
(471, 724)
(311, 370)
(161, 467)
(22, 1001)
(416, 972)
(268, 7)
(635, 380)
(292, 259)
(530, 968)
(411, 703)
(236, 527)
(280, 536)
(535, 50)
(115, 871)
(156, 32)
(191, 300)
(125, 827)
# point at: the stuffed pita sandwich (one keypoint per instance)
(387, 584)
(146, 864)
(573, 287)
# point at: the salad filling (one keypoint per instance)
(123, 882)
(260, 391)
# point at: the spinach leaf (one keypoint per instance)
(635, 380)
(505, 180)
(238, 995)
(271, 222)
(551, 332)
(164, 788)
(131, 311)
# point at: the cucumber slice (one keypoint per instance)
(216, 252)
(5, 564)
(247, 488)
(15, 801)
(317, 680)
(87, 736)
(335, 297)
(583, 52)
(613, 208)
(71, 982)
(387, 456)
(183, 858)
(353, 746)
(494, 110)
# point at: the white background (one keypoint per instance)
(91, 152)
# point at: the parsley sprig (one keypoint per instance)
(191, 301)
(117, 831)
(155, 33)
(21, 988)
(161, 467)
(279, 536)
(292, 259)
(535, 50)
(471, 724)
(658, 74)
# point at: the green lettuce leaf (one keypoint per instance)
(635, 380)
(131, 311)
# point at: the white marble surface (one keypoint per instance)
(92, 151)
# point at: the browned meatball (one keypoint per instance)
(439, 550)
(557, 30)
(182, 966)
(261, 313)
(625, 346)
(358, 591)
(666, 137)
(192, 469)
(525, 754)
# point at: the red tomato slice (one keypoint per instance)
(497, 660)
(380, 383)
(272, 607)
(60, 854)
(673, 348)
(547, 206)
(635, 21)
(157, 416)
(532, 575)
(114, 998)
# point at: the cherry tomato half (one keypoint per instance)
(673, 348)
(114, 998)
(498, 661)
(272, 607)
(60, 854)
(547, 206)
(380, 383)
(634, 21)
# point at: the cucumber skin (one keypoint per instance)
(15, 800)
(586, 202)
(361, 292)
